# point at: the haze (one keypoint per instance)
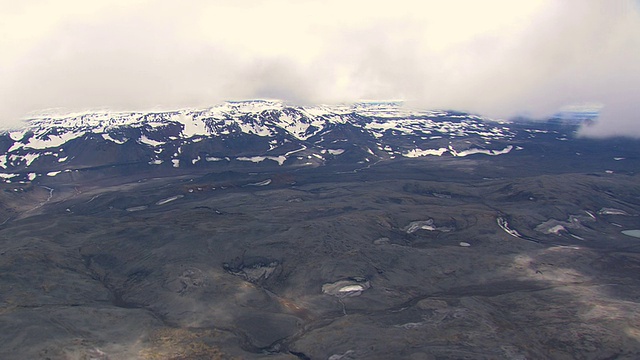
(496, 58)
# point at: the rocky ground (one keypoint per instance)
(476, 258)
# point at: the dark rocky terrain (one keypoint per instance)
(363, 253)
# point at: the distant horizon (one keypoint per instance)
(400, 103)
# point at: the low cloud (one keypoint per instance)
(499, 59)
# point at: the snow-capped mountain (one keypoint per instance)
(258, 131)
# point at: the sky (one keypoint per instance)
(498, 58)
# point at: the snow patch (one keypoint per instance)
(145, 140)
(108, 137)
(30, 157)
(190, 125)
(633, 233)
(480, 151)
(261, 183)
(504, 225)
(420, 225)
(556, 229)
(257, 159)
(169, 199)
(136, 208)
(418, 152)
(51, 141)
(346, 288)
(612, 211)
(17, 135)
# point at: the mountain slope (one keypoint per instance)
(250, 131)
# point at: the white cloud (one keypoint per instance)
(498, 58)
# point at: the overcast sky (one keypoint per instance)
(497, 58)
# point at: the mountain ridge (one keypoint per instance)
(251, 131)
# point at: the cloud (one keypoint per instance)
(620, 118)
(499, 58)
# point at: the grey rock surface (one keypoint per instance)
(320, 263)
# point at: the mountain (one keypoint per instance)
(248, 131)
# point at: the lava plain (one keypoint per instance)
(225, 264)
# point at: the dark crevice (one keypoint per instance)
(300, 355)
